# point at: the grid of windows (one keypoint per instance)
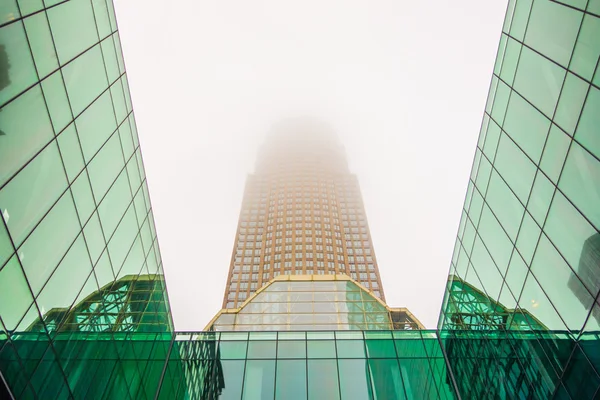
(310, 203)
(527, 255)
(75, 214)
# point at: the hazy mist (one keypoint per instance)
(403, 84)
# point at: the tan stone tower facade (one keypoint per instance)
(302, 213)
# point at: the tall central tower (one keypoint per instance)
(302, 214)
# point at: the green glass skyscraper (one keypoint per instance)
(84, 311)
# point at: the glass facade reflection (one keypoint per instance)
(526, 261)
(313, 302)
(78, 247)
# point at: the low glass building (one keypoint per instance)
(313, 303)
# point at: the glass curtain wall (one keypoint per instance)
(75, 214)
(527, 256)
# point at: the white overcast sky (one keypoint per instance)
(404, 84)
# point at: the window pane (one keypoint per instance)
(323, 380)
(73, 28)
(539, 80)
(21, 72)
(27, 197)
(38, 33)
(261, 349)
(56, 99)
(42, 251)
(25, 128)
(350, 349)
(381, 349)
(233, 374)
(526, 126)
(85, 78)
(587, 130)
(259, 380)
(15, 296)
(291, 349)
(291, 380)
(386, 380)
(353, 380)
(581, 182)
(552, 30)
(321, 349)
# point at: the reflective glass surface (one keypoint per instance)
(527, 255)
(78, 249)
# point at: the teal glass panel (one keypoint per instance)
(15, 297)
(496, 241)
(118, 98)
(354, 379)
(120, 243)
(40, 40)
(233, 349)
(83, 197)
(70, 151)
(323, 380)
(24, 129)
(514, 166)
(96, 125)
(555, 153)
(541, 196)
(9, 10)
(67, 280)
(587, 130)
(491, 140)
(30, 6)
(28, 196)
(539, 80)
(555, 277)
(73, 28)
(520, 18)
(552, 30)
(6, 247)
(291, 380)
(321, 349)
(580, 182)
(526, 126)
(568, 230)
(528, 237)
(114, 204)
(259, 380)
(101, 15)
(57, 101)
(21, 71)
(85, 78)
(48, 243)
(110, 58)
(380, 348)
(350, 349)
(511, 58)
(587, 49)
(94, 238)
(262, 349)
(503, 93)
(571, 102)
(106, 165)
(291, 349)
(233, 371)
(386, 381)
(505, 205)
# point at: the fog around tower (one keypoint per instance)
(404, 96)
